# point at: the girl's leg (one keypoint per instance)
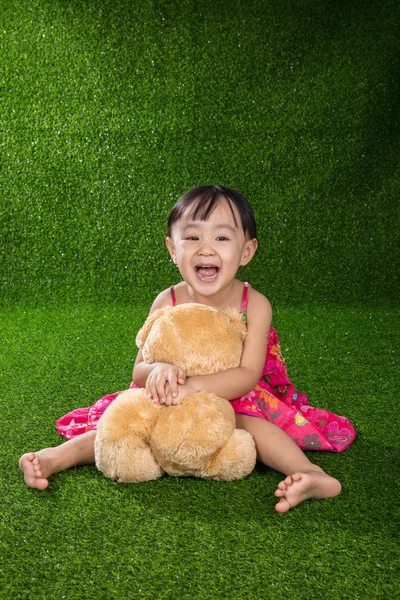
(278, 451)
(39, 466)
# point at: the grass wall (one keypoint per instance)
(112, 109)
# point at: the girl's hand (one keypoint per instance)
(162, 383)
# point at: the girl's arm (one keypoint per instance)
(239, 381)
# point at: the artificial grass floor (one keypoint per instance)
(88, 537)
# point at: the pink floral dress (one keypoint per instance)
(274, 399)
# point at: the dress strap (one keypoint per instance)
(244, 301)
(173, 297)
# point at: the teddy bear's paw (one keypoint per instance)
(234, 460)
(127, 463)
(132, 414)
(143, 468)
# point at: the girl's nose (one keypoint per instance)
(206, 249)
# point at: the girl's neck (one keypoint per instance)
(230, 297)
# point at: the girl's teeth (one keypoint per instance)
(207, 272)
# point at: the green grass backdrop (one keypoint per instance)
(109, 111)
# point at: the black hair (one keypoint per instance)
(205, 199)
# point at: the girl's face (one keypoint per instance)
(209, 253)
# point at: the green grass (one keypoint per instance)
(110, 110)
(88, 537)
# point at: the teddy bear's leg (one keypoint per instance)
(235, 460)
(187, 435)
(122, 450)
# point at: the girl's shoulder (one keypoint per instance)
(257, 298)
(258, 306)
(176, 294)
(163, 299)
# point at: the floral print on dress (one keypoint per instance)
(276, 400)
(311, 442)
(276, 351)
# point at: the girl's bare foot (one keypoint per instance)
(36, 469)
(300, 486)
(38, 466)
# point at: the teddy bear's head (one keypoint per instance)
(199, 339)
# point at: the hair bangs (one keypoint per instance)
(200, 203)
(208, 202)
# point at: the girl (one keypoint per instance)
(211, 233)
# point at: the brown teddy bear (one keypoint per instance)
(138, 440)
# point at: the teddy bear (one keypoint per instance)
(138, 440)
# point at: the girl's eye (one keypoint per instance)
(192, 238)
(222, 238)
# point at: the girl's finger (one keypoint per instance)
(160, 388)
(173, 385)
(181, 376)
(148, 389)
(173, 394)
(151, 385)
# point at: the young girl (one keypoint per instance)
(211, 233)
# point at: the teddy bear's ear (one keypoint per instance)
(148, 324)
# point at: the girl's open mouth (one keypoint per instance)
(207, 272)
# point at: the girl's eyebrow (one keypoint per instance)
(194, 224)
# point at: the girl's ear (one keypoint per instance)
(171, 248)
(249, 251)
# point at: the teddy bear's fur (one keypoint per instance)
(138, 440)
